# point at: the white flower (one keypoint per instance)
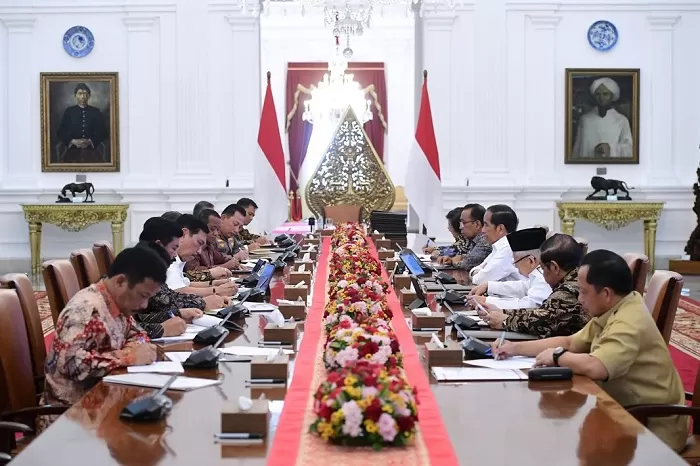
(369, 391)
(342, 283)
(353, 419)
(347, 355)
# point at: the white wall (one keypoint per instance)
(288, 36)
(496, 80)
(188, 114)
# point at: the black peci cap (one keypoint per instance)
(527, 239)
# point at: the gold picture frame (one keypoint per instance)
(602, 124)
(79, 122)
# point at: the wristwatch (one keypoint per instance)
(558, 351)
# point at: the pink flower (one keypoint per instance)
(387, 427)
(346, 356)
(353, 419)
(342, 283)
(369, 391)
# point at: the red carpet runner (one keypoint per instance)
(292, 445)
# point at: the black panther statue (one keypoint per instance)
(601, 184)
(86, 188)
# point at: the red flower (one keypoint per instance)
(369, 347)
(405, 423)
(334, 377)
(374, 410)
(345, 324)
(370, 381)
(325, 412)
(395, 348)
(361, 281)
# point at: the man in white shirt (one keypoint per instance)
(519, 294)
(499, 221)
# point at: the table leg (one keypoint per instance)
(650, 241)
(35, 246)
(118, 236)
(567, 226)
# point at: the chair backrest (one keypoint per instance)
(401, 202)
(61, 284)
(23, 287)
(639, 266)
(85, 266)
(15, 355)
(104, 254)
(661, 298)
(342, 213)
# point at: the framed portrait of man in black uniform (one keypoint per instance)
(79, 122)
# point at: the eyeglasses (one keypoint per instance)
(524, 257)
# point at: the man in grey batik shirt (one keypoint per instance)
(478, 248)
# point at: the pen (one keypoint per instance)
(235, 360)
(427, 329)
(238, 435)
(500, 340)
(273, 343)
(171, 314)
(265, 381)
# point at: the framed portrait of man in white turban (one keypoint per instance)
(602, 116)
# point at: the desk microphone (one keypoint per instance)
(442, 277)
(460, 321)
(153, 407)
(207, 357)
(212, 334)
(448, 296)
(312, 223)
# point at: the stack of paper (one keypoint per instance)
(518, 362)
(454, 374)
(190, 332)
(178, 356)
(162, 367)
(206, 321)
(159, 381)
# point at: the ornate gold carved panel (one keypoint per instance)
(350, 172)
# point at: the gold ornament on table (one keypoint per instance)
(350, 172)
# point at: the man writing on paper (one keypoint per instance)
(232, 220)
(247, 238)
(620, 348)
(95, 332)
(560, 314)
(476, 247)
(516, 294)
(499, 221)
(210, 257)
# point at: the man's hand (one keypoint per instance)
(444, 260)
(173, 327)
(241, 255)
(545, 358)
(227, 289)
(493, 316)
(190, 313)
(144, 353)
(253, 246)
(262, 240)
(479, 290)
(508, 349)
(214, 302)
(428, 250)
(219, 272)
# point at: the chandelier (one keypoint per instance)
(338, 91)
(348, 21)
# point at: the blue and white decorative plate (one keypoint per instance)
(78, 41)
(602, 35)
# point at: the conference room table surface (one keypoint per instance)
(489, 423)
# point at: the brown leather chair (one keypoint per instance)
(23, 287)
(643, 413)
(104, 254)
(639, 266)
(661, 298)
(85, 266)
(61, 284)
(342, 213)
(17, 374)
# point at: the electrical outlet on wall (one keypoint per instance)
(601, 171)
(80, 178)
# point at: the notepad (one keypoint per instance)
(159, 381)
(260, 307)
(190, 332)
(162, 367)
(179, 356)
(206, 321)
(455, 374)
(252, 351)
(518, 362)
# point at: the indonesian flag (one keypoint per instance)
(423, 188)
(270, 176)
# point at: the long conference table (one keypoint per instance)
(488, 423)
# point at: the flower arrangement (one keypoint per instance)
(375, 343)
(365, 404)
(365, 399)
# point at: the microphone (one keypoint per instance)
(153, 407)
(207, 357)
(473, 346)
(442, 277)
(312, 223)
(459, 321)
(210, 335)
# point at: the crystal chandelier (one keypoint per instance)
(348, 21)
(338, 91)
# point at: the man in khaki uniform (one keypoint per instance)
(620, 348)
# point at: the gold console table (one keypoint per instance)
(72, 217)
(613, 215)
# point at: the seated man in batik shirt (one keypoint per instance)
(210, 257)
(459, 247)
(232, 220)
(471, 222)
(96, 333)
(560, 314)
(247, 238)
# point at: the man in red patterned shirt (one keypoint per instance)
(95, 332)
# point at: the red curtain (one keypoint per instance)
(301, 77)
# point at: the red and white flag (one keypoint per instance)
(270, 175)
(423, 187)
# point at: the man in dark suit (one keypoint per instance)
(82, 131)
